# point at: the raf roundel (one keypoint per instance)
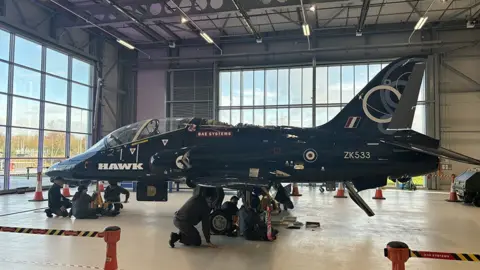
(178, 163)
(310, 155)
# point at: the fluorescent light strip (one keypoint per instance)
(306, 29)
(420, 23)
(126, 44)
(206, 37)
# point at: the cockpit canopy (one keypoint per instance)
(148, 128)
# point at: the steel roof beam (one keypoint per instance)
(191, 10)
(167, 30)
(137, 24)
(246, 19)
(414, 7)
(363, 15)
(146, 33)
(291, 35)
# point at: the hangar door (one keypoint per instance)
(190, 94)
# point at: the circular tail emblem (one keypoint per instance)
(310, 155)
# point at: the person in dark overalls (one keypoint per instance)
(57, 203)
(251, 225)
(220, 195)
(81, 204)
(196, 209)
(112, 196)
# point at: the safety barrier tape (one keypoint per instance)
(51, 264)
(445, 256)
(52, 232)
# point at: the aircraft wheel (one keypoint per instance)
(468, 198)
(218, 222)
(288, 205)
(190, 183)
(476, 201)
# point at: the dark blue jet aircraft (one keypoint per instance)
(367, 142)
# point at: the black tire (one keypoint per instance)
(476, 201)
(322, 190)
(288, 205)
(468, 198)
(190, 183)
(219, 223)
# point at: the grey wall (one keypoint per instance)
(459, 86)
(151, 88)
(452, 105)
(151, 94)
(32, 19)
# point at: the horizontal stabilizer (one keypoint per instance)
(403, 117)
(438, 152)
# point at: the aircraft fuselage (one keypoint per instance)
(279, 154)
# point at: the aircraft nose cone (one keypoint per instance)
(59, 170)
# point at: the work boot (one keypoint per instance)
(174, 237)
(48, 212)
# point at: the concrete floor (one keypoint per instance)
(348, 239)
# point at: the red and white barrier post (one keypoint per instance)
(101, 188)
(111, 237)
(269, 223)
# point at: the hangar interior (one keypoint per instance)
(72, 71)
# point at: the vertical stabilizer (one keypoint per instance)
(372, 110)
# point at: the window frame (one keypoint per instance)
(284, 82)
(40, 130)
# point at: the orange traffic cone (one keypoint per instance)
(66, 191)
(340, 192)
(295, 191)
(378, 194)
(38, 196)
(101, 188)
(453, 195)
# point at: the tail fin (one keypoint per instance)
(374, 107)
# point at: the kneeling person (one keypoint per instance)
(230, 209)
(82, 202)
(252, 227)
(112, 195)
(196, 209)
(57, 203)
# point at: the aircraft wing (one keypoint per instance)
(438, 152)
(228, 182)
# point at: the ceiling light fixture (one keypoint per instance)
(126, 44)
(312, 8)
(306, 29)
(206, 37)
(184, 20)
(421, 22)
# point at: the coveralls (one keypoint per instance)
(56, 200)
(196, 209)
(112, 194)
(81, 206)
